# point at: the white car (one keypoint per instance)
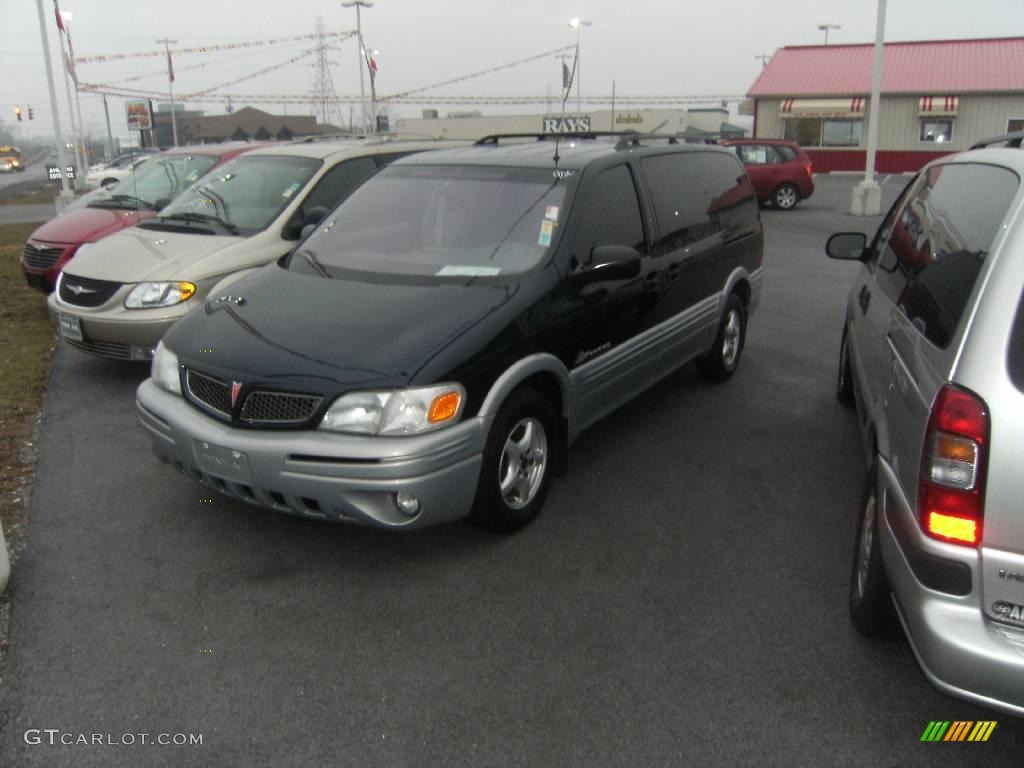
(110, 175)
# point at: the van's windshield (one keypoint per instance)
(443, 221)
(155, 183)
(242, 197)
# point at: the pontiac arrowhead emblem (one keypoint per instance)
(236, 387)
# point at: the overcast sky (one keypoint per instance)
(650, 48)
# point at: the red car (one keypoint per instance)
(106, 211)
(780, 170)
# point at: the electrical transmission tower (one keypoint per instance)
(323, 85)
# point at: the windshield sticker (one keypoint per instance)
(551, 212)
(467, 271)
(192, 176)
(291, 190)
(546, 228)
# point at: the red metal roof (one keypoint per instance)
(930, 67)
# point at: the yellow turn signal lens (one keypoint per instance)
(444, 407)
(187, 290)
(955, 448)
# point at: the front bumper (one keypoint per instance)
(346, 478)
(960, 650)
(115, 332)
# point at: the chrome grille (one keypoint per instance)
(209, 393)
(40, 258)
(86, 292)
(279, 408)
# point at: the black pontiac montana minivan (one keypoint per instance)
(432, 349)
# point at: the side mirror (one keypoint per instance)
(307, 230)
(611, 262)
(847, 246)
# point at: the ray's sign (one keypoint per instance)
(556, 125)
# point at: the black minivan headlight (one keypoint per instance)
(396, 412)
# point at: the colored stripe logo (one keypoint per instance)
(958, 730)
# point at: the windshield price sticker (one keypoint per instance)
(290, 190)
(551, 212)
(547, 227)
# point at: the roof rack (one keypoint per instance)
(377, 138)
(627, 138)
(1012, 140)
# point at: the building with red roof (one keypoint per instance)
(937, 97)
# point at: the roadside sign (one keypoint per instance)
(139, 116)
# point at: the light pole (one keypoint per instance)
(358, 5)
(826, 27)
(577, 23)
(76, 133)
(170, 86)
(867, 196)
(65, 188)
(78, 94)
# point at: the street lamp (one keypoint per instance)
(76, 125)
(577, 23)
(358, 5)
(826, 27)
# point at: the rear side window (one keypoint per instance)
(697, 195)
(1015, 362)
(940, 239)
(338, 183)
(786, 154)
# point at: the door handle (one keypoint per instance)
(864, 299)
(673, 271)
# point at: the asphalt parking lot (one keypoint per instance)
(681, 600)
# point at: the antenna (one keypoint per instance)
(323, 84)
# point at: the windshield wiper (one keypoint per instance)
(204, 218)
(120, 200)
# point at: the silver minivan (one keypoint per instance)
(932, 357)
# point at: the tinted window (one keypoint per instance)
(786, 154)
(696, 194)
(940, 239)
(611, 214)
(441, 221)
(338, 183)
(1015, 361)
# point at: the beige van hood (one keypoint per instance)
(136, 255)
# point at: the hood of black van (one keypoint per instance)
(282, 328)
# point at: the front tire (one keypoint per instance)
(724, 358)
(871, 606)
(785, 197)
(518, 463)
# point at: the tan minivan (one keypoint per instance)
(117, 298)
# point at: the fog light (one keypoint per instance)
(407, 503)
(140, 353)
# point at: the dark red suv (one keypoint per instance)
(780, 170)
